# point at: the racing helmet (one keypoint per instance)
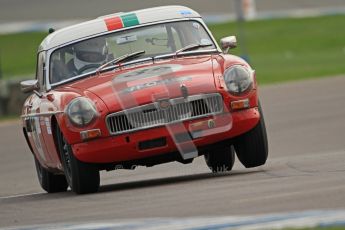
(92, 51)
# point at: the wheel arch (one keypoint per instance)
(54, 125)
(28, 141)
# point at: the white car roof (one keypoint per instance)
(114, 22)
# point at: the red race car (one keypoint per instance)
(139, 89)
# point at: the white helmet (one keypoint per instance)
(92, 51)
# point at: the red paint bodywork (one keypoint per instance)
(206, 76)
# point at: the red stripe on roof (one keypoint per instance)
(113, 23)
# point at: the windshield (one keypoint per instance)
(86, 56)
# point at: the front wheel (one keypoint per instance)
(50, 182)
(252, 147)
(81, 177)
(220, 159)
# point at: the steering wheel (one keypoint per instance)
(87, 67)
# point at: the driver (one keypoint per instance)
(88, 56)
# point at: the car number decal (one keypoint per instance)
(47, 123)
(36, 132)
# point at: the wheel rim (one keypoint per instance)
(66, 158)
(39, 171)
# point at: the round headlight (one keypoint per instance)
(81, 111)
(238, 79)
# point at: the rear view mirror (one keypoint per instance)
(29, 86)
(228, 43)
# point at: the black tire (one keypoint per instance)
(50, 182)
(221, 158)
(81, 177)
(252, 147)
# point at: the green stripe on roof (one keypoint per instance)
(130, 20)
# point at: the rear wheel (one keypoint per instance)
(50, 182)
(221, 158)
(252, 147)
(81, 177)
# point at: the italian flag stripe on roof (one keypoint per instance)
(130, 20)
(118, 22)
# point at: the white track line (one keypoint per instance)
(21, 195)
(312, 218)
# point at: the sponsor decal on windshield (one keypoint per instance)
(155, 83)
(148, 72)
(164, 73)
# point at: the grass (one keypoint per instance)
(18, 53)
(279, 49)
(6, 118)
(292, 49)
(320, 228)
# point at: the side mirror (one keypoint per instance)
(29, 86)
(228, 43)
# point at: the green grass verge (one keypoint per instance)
(7, 118)
(279, 49)
(319, 228)
(292, 49)
(18, 53)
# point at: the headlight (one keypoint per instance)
(238, 79)
(81, 111)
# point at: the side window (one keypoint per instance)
(59, 62)
(174, 40)
(40, 69)
(191, 33)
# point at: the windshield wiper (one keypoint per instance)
(118, 60)
(192, 47)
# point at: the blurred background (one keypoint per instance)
(284, 40)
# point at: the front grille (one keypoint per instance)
(155, 114)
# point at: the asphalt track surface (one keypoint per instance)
(43, 10)
(305, 171)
